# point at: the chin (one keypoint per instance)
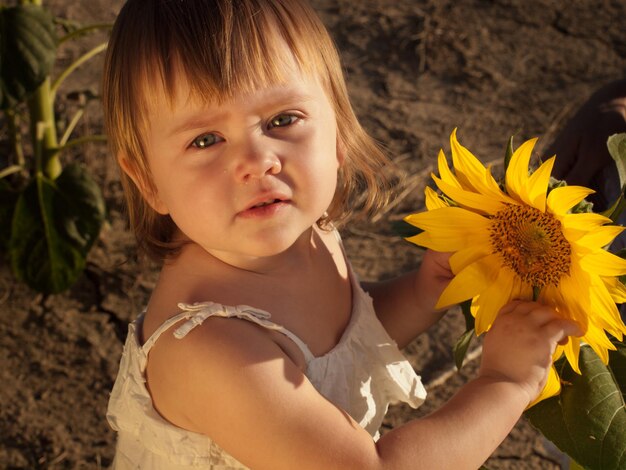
(276, 244)
(269, 250)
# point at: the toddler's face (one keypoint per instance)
(248, 177)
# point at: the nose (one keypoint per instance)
(256, 161)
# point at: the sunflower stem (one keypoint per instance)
(536, 291)
(509, 153)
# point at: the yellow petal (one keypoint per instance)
(475, 201)
(601, 236)
(561, 200)
(604, 310)
(603, 263)
(471, 281)
(538, 184)
(517, 172)
(552, 387)
(492, 299)
(473, 252)
(576, 226)
(432, 199)
(571, 297)
(426, 240)
(449, 219)
(449, 240)
(572, 352)
(596, 338)
(586, 221)
(558, 352)
(615, 288)
(470, 172)
(444, 171)
(573, 235)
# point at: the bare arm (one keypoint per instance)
(517, 354)
(462, 434)
(230, 381)
(406, 305)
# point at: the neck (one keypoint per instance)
(196, 260)
(197, 275)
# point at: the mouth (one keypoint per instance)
(265, 206)
(266, 203)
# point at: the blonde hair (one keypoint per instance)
(224, 48)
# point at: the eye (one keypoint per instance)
(283, 120)
(206, 140)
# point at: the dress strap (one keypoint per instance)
(166, 325)
(198, 312)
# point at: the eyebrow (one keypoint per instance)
(196, 121)
(283, 97)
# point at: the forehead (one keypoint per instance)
(285, 82)
(279, 77)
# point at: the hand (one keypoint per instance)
(434, 276)
(519, 346)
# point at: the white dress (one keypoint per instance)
(362, 374)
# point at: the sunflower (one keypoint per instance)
(522, 241)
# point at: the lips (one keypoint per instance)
(265, 204)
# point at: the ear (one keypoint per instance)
(141, 181)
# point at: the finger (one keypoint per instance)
(574, 329)
(525, 307)
(441, 260)
(541, 315)
(538, 314)
(563, 341)
(558, 330)
(512, 306)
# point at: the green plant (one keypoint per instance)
(50, 214)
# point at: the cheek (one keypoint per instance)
(326, 173)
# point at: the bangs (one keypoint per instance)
(226, 49)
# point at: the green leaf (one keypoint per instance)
(617, 207)
(588, 419)
(27, 51)
(54, 225)
(405, 229)
(617, 148)
(582, 207)
(466, 306)
(461, 346)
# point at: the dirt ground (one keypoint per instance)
(416, 69)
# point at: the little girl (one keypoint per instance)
(259, 348)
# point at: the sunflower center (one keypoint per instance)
(531, 243)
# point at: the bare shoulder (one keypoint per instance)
(229, 379)
(204, 365)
